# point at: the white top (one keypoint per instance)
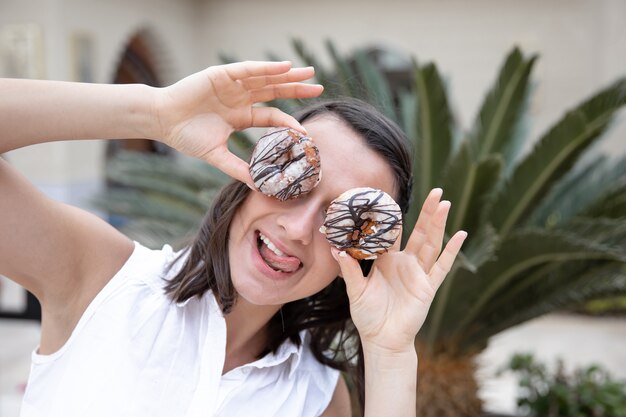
(136, 353)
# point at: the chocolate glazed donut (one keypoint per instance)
(364, 222)
(285, 164)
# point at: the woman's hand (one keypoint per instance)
(390, 305)
(197, 114)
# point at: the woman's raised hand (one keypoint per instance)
(390, 305)
(197, 114)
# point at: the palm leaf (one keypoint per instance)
(605, 279)
(516, 256)
(554, 155)
(348, 81)
(192, 173)
(469, 185)
(501, 111)
(572, 194)
(144, 205)
(612, 203)
(433, 132)
(375, 85)
(322, 76)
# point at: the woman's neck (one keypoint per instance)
(246, 332)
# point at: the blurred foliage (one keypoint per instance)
(605, 307)
(588, 392)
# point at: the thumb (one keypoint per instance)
(231, 165)
(351, 274)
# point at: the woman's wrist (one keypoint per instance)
(144, 112)
(390, 357)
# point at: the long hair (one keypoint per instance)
(326, 314)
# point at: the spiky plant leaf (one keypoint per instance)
(501, 111)
(612, 203)
(572, 194)
(469, 185)
(144, 205)
(433, 132)
(479, 249)
(192, 173)
(348, 82)
(553, 156)
(605, 279)
(610, 233)
(482, 246)
(322, 76)
(375, 85)
(604, 230)
(520, 252)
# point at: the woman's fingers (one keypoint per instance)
(273, 117)
(434, 236)
(441, 268)
(285, 91)
(241, 70)
(291, 76)
(351, 273)
(418, 236)
(222, 159)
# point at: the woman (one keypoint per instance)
(118, 339)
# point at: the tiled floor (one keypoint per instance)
(580, 341)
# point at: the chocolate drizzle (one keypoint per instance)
(285, 164)
(364, 222)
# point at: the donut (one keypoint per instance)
(364, 222)
(285, 164)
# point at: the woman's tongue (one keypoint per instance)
(281, 263)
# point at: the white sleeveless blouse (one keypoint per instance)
(135, 353)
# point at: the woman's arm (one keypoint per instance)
(390, 306)
(36, 111)
(65, 255)
(195, 115)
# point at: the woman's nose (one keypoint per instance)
(301, 220)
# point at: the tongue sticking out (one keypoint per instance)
(280, 263)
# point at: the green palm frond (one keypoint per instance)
(348, 82)
(598, 229)
(605, 279)
(433, 134)
(501, 110)
(521, 252)
(470, 185)
(553, 156)
(375, 85)
(147, 205)
(322, 76)
(572, 194)
(610, 204)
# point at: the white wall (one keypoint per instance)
(581, 43)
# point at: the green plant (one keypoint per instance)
(586, 392)
(547, 228)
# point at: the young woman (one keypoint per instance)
(214, 330)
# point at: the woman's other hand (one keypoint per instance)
(390, 305)
(197, 114)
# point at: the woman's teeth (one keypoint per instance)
(270, 245)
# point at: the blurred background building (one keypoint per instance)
(581, 46)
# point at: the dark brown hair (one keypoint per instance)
(326, 314)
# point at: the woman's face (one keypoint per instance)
(293, 226)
